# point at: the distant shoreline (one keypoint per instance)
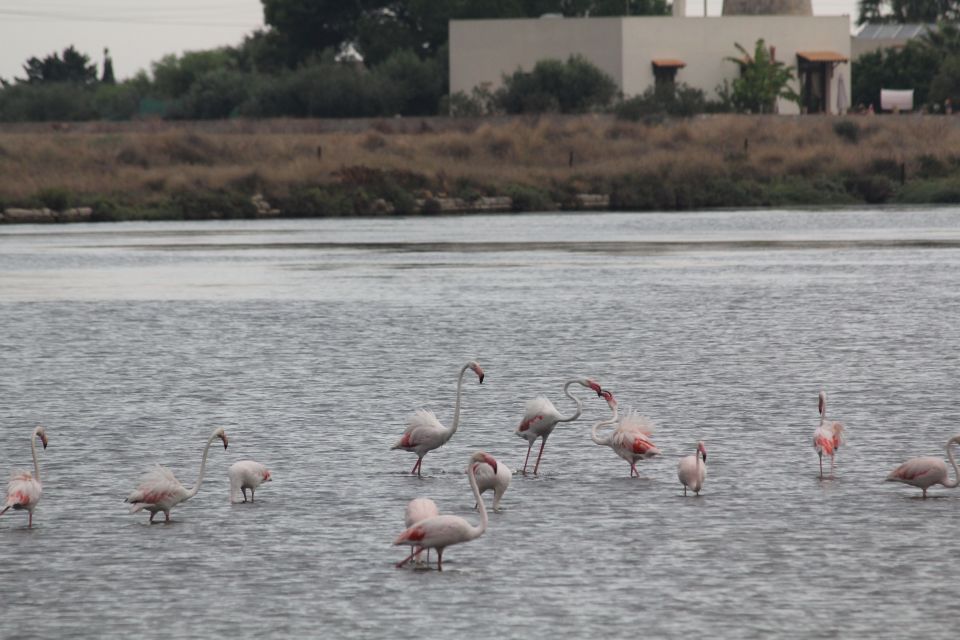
(155, 170)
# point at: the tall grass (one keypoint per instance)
(140, 163)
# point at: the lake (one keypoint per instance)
(312, 341)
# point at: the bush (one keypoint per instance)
(675, 100)
(574, 86)
(203, 205)
(944, 191)
(526, 198)
(217, 94)
(873, 189)
(46, 102)
(55, 198)
(848, 130)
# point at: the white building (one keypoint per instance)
(636, 51)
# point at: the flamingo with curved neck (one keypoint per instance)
(159, 490)
(630, 439)
(691, 471)
(440, 532)
(424, 433)
(24, 489)
(540, 418)
(928, 471)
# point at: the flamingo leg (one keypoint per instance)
(529, 446)
(543, 443)
(416, 467)
(633, 470)
(244, 490)
(924, 494)
(440, 559)
(831, 466)
(251, 494)
(166, 516)
(820, 455)
(684, 489)
(30, 520)
(152, 513)
(406, 560)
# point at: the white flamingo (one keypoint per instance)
(246, 474)
(928, 471)
(691, 471)
(159, 489)
(440, 532)
(418, 509)
(24, 489)
(493, 478)
(630, 439)
(540, 418)
(424, 433)
(828, 435)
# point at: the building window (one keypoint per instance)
(665, 71)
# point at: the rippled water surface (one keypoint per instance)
(311, 342)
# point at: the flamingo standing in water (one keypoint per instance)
(630, 439)
(828, 436)
(439, 532)
(926, 472)
(541, 417)
(424, 433)
(24, 489)
(159, 489)
(246, 474)
(691, 471)
(496, 477)
(418, 509)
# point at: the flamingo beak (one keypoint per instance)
(224, 438)
(43, 440)
(704, 455)
(820, 405)
(596, 387)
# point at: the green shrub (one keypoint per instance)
(527, 198)
(675, 100)
(875, 189)
(316, 202)
(574, 86)
(848, 130)
(942, 191)
(203, 205)
(55, 198)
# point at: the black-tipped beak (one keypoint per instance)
(481, 378)
(599, 393)
(704, 457)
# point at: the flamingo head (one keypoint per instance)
(482, 457)
(611, 401)
(702, 450)
(42, 435)
(592, 385)
(477, 369)
(220, 433)
(823, 402)
(266, 476)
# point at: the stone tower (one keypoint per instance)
(767, 8)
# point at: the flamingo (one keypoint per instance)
(496, 477)
(541, 417)
(439, 532)
(418, 509)
(24, 489)
(159, 489)
(926, 472)
(828, 436)
(691, 471)
(247, 474)
(630, 439)
(424, 433)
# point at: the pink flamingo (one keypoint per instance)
(630, 439)
(828, 436)
(159, 489)
(424, 433)
(493, 477)
(541, 417)
(691, 471)
(418, 509)
(246, 474)
(926, 472)
(439, 532)
(24, 489)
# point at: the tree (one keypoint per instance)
(107, 77)
(903, 11)
(946, 84)
(311, 27)
(74, 67)
(762, 81)
(912, 67)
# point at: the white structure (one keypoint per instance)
(637, 52)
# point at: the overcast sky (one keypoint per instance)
(139, 32)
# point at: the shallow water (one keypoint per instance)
(312, 341)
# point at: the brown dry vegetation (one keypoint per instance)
(143, 163)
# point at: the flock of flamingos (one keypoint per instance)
(159, 490)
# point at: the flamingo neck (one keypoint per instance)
(604, 423)
(456, 408)
(577, 399)
(33, 449)
(956, 472)
(476, 532)
(203, 465)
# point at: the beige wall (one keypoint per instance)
(483, 50)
